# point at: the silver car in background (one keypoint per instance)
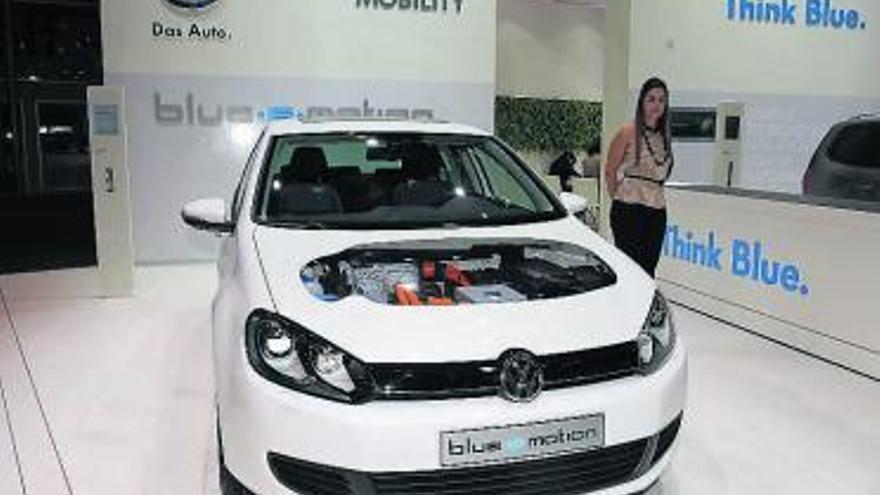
(846, 164)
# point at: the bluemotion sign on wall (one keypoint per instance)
(748, 259)
(811, 13)
(192, 111)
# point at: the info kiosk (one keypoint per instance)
(728, 143)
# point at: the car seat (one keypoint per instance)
(304, 199)
(298, 187)
(384, 181)
(308, 164)
(421, 167)
(353, 189)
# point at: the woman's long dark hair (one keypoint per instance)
(663, 125)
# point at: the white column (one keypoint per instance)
(616, 111)
(110, 188)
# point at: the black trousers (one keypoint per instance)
(638, 232)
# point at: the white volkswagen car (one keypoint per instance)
(406, 308)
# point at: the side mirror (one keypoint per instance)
(207, 214)
(579, 207)
(574, 203)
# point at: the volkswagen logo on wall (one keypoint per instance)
(192, 5)
(522, 378)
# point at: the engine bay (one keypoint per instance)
(457, 271)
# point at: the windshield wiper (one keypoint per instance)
(311, 225)
(503, 203)
(451, 225)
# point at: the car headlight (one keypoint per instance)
(287, 354)
(657, 338)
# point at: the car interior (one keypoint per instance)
(309, 184)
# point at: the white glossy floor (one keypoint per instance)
(114, 397)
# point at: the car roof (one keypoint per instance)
(865, 117)
(322, 126)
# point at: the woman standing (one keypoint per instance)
(639, 163)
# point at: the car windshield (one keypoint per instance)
(858, 145)
(397, 180)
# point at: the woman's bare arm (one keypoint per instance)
(615, 157)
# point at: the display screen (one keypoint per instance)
(105, 120)
(693, 124)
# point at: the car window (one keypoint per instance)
(354, 153)
(398, 180)
(502, 181)
(858, 145)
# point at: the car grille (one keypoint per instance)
(416, 381)
(564, 475)
(307, 478)
(665, 439)
(571, 474)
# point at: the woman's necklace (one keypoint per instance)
(657, 161)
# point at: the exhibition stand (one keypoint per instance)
(798, 270)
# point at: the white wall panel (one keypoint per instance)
(322, 39)
(196, 105)
(697, 47)
(550, 50)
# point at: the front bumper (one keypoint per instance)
(390, 445)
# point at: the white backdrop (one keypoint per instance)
(550, 50)
(199, 85)
(795, 80)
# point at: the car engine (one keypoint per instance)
(456, 271)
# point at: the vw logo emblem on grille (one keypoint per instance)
(192, 4)
(521, 377)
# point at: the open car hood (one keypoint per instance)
(456, 295)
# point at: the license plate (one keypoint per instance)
(518, 442)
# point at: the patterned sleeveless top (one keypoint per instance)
(642, 183)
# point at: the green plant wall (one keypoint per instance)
(533, 124)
